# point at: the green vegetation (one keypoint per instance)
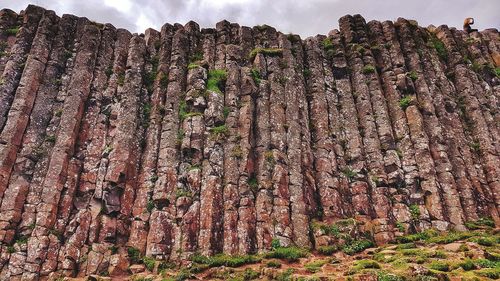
(150, 206)
(121, 78)
(225, 260)
(253, 184)
(196, 57)
(255, 73)
(237, 152)
(134, 255)
(50, 138)
(349, 173)
(11, 31)
(150, 76)
(149, 263)
(180, 192)
(3, 47)
(183, 114)
(216, 80)
(275, 243)
(153, 178)
(193, 66)
(480, 224)
(220, 131)
(439, 46)
(327, 250)
(163, 81)
(363, 264)
(225, 111)
(290, 254)
(328, 47)
(273, 264)
(368, 69)
(438, 265)
(492, 273)
(412, 75)
(315, 266)
(265, 51)
(414, 211)
(357, 246)
(307, 73)
(405, 102)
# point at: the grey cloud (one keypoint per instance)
(306, 18)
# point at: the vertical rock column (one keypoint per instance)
(55, 178)
(160, 236)
(473, 119)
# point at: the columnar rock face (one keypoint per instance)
(223, 140)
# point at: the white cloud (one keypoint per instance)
(304, 17)
(123, 6)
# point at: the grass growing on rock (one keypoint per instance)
(272, 52)
(216, 80)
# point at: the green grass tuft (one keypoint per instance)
(216, 80)
(272, 52)
(291, 254)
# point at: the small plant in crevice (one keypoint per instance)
(134, 255)
(50, 138)
(269, 156)
(476, 147)
(405, 101)
(180, 136)
(11, 31)
(121, 78)
(146, 113)
(439, 46)
(368, 69)
(153, 178)
(349, 173)
(255, 73)
(220, 131)
(237, 152)
(412, 75)
(193, 65)
(414, 211)
(196, 57)
(216, 80)
(253, 183)
(163, 81)
(150, 206)
(307, 73)
(225, 111)
(275, 243)
(180, 192)
(58, 112)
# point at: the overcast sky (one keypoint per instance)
(304, 17)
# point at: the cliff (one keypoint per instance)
(230, 139)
